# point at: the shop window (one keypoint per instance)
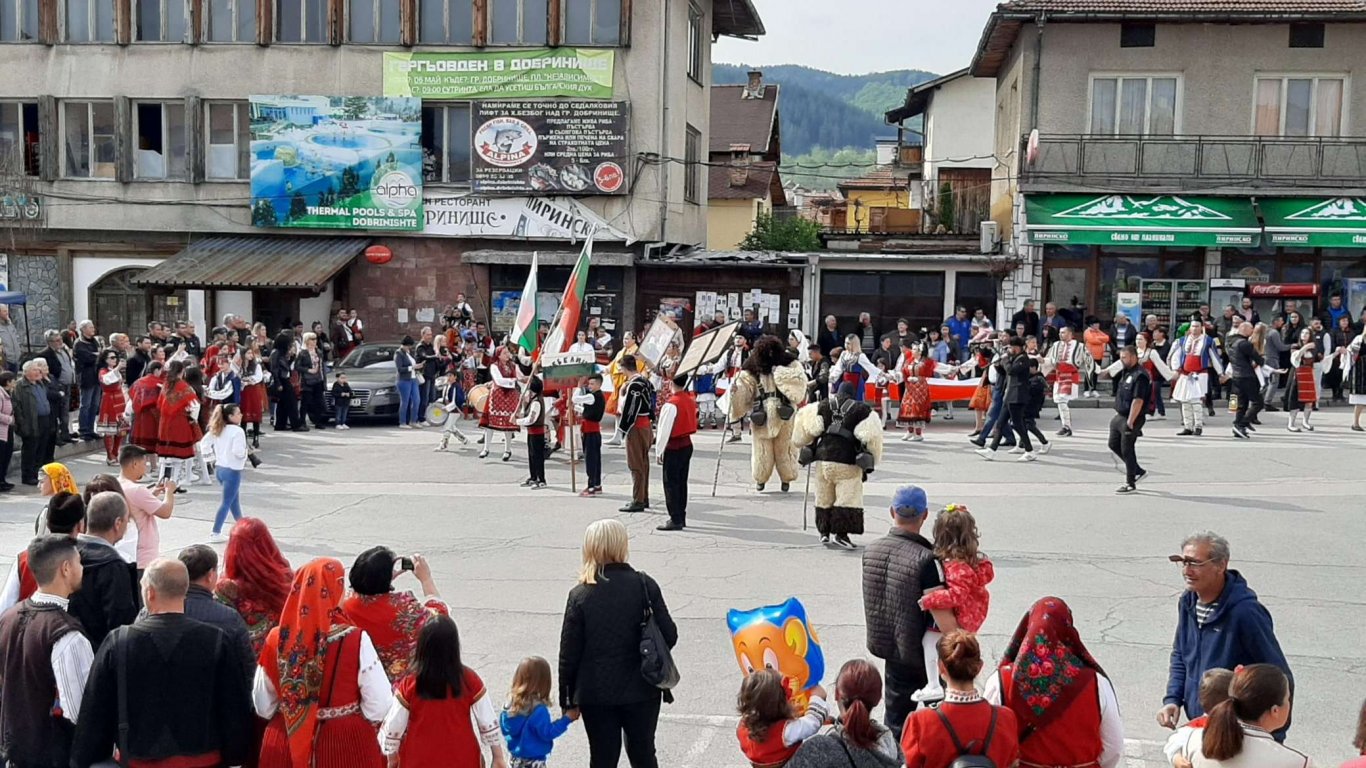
(592, 22)
(159, 21)
(1252, 265)
(301, 21)
(230, 21)
(1135, 105)
(89, 21)
(692, 165)
(1183, 266)
(446, 143)
(373, 21)
(1122, 274)
(227, 147)
(1298, 265)
(18, 21)
(1339, 266)
(916, 296)
(88, 128)
(159, 140)
(976, 290)
(518, 22)
(19, 146)
(446, 21)
(696, 43)
(1299, 106)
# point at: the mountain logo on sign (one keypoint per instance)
(1163, 208)
(1337, 209)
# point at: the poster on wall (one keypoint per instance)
(329, 162)
(531, 218)
(550, 147)
(1130, 305)
(578, 73)
(506, 304)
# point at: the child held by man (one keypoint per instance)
(967, 572)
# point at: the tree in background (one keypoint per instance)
(355, 107)
(782, 234)
(947, 218)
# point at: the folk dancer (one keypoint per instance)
(1190, 360)
(769, 389)
(178, 430)
(1304, 394)
(853, 367)
(112, 423)
(1354, 375)
(673, 450)
(144, 394)
(979, 364)
(1153, 365)
(226, 385)
(619, 374)
(502, 405)
(532, 417)
(1071, 364)
(843, 437)
(255, 378)
(914, 371)
(704, 384)
(591, 405)
(637, 420)
(450, 396)
(727, 368)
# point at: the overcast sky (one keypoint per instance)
(859, 36)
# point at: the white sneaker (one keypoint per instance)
(217, 538)
(918, 439)
(341, 426)
(1027, 457)
(908, 437)
(985, 453)
(1016, 451)
(1044, 449)
(405, 426)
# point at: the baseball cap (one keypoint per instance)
(911, 499)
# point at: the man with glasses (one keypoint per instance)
(1220, 624)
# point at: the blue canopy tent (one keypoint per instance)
(14, 297)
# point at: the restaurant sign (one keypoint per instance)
(529, 218)
(1169, 220)
(1309, 222)
(579, 73)
(550, 148)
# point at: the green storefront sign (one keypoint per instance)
(580, 73)
(1141, 220)
(1315, 222)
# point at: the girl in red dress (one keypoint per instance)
(113, 422)
(319, 680)
(932, 737)
(432, 719)
(914, 371)
(178, 430)
(1304, 393)
(255, 374)
(967, 572)
(772, 727)
(504, 398)
(144, 394)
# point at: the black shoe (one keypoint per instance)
(843, 541)
(1184, 433)
(1355, 428)
(1270, 409)
(1251, 428)
(527, 483)
(1125, 489)
(671, 526)
(979, 443)
(1258, 422)
(1199, 431)
(786, 487)
(632, 507)
(825, 538)
(1064, 432)
(1239, 432)
(758, 486)
(6, 487)
(974, 433)
(1138, 478)
(299, 429)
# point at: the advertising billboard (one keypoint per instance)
(550, 148)
(532, 218)
(576, 73)
(330, 162)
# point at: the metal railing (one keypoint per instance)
(1184, 161)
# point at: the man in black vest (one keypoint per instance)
(1244, 359)
(43, 651)
(1131, 409)
(899, 569)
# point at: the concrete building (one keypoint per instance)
(1150, 148)
(130, 120)
(745, 150)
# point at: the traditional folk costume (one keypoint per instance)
(620, 375)
(501, 410)
(844, 438)
(1304, 393)
(782, 739)
(1354, 372)
(592, 406)
(144, 393)
(254, 398)
(392, 621)
(1191, 358)
(1071, 363)
(727, 368)
(673, 449)
(532, 417)
(914, 371)
(704, 384)
(224, 387)
(637, 419)
(45, 664)
(769, 389)
(852, 369)
(1154, 365)
(178, 430)
(451, 429)
(113, 420)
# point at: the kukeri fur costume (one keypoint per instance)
(836, 474)
(775, 378)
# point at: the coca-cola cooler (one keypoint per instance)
(1272, 299)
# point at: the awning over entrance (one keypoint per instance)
(1113, 219)
(1315, 222)
(256, 262)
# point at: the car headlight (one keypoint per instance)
(386, 391)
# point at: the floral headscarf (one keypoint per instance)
(61, 479)
(1051, 664)
(311, 619)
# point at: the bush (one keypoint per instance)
(785, 234)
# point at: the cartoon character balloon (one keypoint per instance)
(778, 637)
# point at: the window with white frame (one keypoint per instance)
(446, 143)
(227, 140)
(19, 147)
(518, 22)
(1135, 104)
(159, 21)
(18, 21)
(692, 163)
(446, 21)
(159, 150)
(89, 21)
(1299, 105)
(88, 130)
(373, 21)
(592, 22)
(301, 21)
(230, 21)
(695, 43)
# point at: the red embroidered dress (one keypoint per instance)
(392, 621)
(503, 401)
(259, 619)
(915, 404)
(441, 731)
(145, 393)
(177, 432)
(966, 595)
(112, 404)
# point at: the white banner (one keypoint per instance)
(531, 218)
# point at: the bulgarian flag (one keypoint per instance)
(524, 331)
(571, 304)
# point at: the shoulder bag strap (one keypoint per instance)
(847, 753)
(649, 604)
(326, 701)
(953, 735)
(991, 730)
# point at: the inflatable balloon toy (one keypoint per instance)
(778, 637)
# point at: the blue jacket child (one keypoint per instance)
(531, 735)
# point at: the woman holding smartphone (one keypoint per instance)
(391, 619)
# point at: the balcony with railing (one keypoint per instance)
(1208, 163)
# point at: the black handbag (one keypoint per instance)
(656, 661)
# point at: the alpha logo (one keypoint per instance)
(1162, 208)
(396, 190)
(505, 142)
(1337, 209)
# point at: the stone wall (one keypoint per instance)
(424, 276)
(36, 276)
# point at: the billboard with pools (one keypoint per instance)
(336, 162)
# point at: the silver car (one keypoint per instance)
(370, 371)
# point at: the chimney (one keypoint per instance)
(755, 88)
(739, 165)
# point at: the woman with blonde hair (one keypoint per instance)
(600, 675)
(853, 366)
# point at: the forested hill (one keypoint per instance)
(823, 109)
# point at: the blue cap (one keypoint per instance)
(910, 501)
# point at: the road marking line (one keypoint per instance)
(699, 747)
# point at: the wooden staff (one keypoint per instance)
(573, 466)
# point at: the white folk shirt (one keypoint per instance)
(1260, 750)
(376, 694)
(71, 659)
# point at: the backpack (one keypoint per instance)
(974, 759)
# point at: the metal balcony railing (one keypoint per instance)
(1195, 161)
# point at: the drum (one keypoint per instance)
(478, 397)
(437, 414)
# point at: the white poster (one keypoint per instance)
(532, 218)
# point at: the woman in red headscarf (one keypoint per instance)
(1064, 703)
(319, 680)
(256, 578)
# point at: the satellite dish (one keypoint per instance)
(1032, 150)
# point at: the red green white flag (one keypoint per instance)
(524, 331)
(571, 304)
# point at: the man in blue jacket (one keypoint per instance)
(1220, 624)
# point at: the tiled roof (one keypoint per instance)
(758, 186)
(1185, 6)
(878, 178)
(735, 120)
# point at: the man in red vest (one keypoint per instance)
(65, 517)
(673, 449)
